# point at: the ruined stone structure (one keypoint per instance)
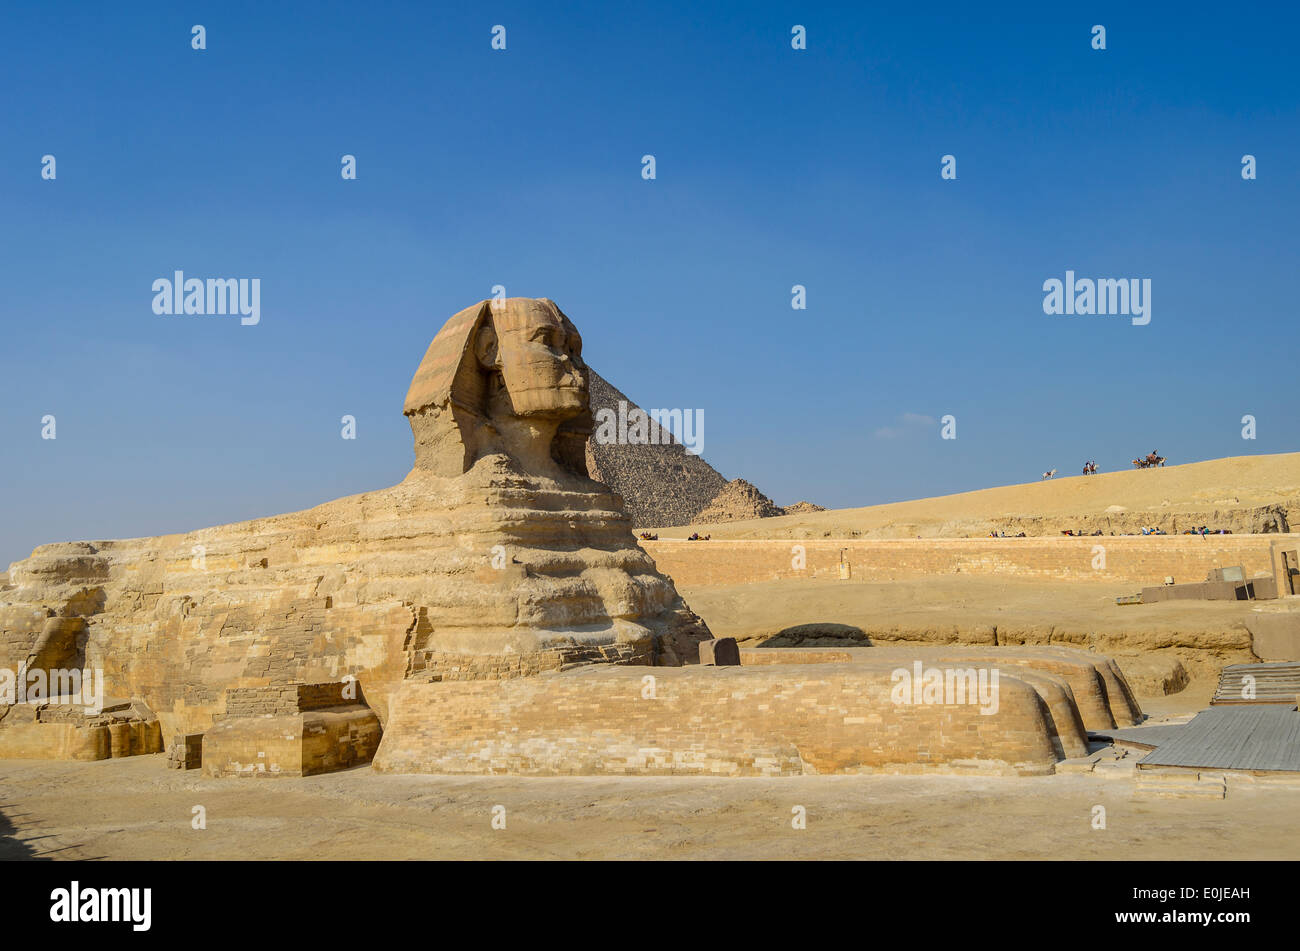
(781, 713)
(290, 730)
(496, 616)
(738, 501)
(53, 729)
(186, 751)
(496, 557)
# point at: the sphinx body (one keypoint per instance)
(491, 608)
(496, 557)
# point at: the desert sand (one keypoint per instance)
(134, 809)
(1221, 493)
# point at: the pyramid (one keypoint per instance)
(662, 484)
(738, 500)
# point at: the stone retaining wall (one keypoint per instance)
(1133, 560)
(775, 720)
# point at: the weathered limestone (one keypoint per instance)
(186, 751)
(1099, 692)
(784, 711)
(493, 612)
(660, 482)
(773, 720)
(1131, 560)
(290, 730)
(496, 557)
(58, 730)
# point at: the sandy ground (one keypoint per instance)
(1218, 484)
(135, 808)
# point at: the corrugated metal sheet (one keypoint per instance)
(1251, 736)
(1148, 736)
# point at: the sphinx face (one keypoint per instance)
(540, 355)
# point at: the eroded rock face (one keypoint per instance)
(495, 557)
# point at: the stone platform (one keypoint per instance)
(54, 730)
(795, 715)
(290, 730)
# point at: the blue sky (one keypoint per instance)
(522, 167)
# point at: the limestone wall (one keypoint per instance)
(1130, 560)
(285, 699)
(36, 740)
(297, 744)
(1098, 689)
(729, 721)
(64, 731)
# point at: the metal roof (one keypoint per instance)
(1148, 736)
(1240, 736)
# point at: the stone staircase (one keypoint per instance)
(1273, 683)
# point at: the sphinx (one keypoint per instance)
(496, 557)
(491, 613)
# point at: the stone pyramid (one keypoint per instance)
(662, 485)
(737, 501)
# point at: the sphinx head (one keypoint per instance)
(533, 355)
(502, 377)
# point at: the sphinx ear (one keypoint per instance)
(485, 347)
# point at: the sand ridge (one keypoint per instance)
(1240, 493)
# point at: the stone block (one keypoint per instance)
(186, 751)
(1275, 636)
(719, 652)
(294, 744)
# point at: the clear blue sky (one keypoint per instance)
(523, 168)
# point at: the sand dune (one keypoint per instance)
(1239, 493)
